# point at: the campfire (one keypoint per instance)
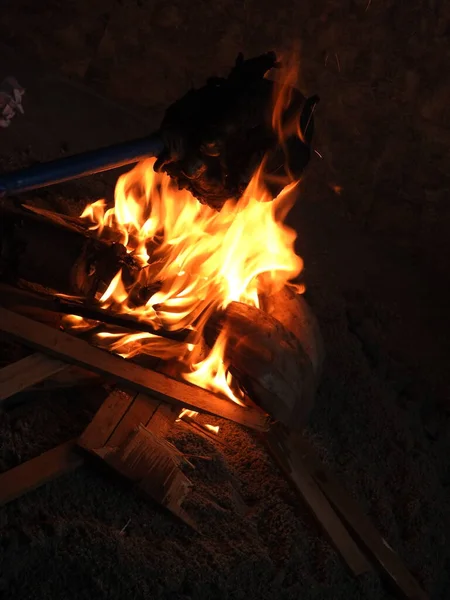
(192, 280)
(195, 261)
(187, 307)
(198, 261)
(189, 302)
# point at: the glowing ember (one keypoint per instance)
(196, 259)
(213, 428)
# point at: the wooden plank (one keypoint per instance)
(283, 449)
(154, 465)
(70, 377)
(76, 351)
(38, 471)
(388, 562)
(28, 371)
(141, 410)
(29, 303)
(106, 419)
(163, 418)
(122, 412)
(128, 434)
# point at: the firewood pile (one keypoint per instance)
(52, 265)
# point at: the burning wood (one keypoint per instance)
(191, 261)
(30, 303)
(52, 254)
(268, 361)
(290, 308)
(79, 352)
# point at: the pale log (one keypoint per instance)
(76, 351)
(292, 311)
(53, 255)
(268, 360)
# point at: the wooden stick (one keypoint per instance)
(22, 374)
(38, 471)
(18, 299)
(70, 377)
(77, 351)
(203, 431)
(389, 563)
(35, 369)
(75, 223)
(284, 451)
(63, 459)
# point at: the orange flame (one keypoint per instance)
(197, 259)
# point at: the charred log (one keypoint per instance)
(55, 255)
(268, 360)
(292, 311)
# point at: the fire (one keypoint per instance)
(195, 260)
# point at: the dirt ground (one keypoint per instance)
(376, 268)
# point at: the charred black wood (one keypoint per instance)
(267, 360)
(56, 255)
(215, 137)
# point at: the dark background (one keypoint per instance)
(377, 259)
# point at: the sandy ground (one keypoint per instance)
(376, 258)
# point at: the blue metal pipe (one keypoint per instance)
(80, 165)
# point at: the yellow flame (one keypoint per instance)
(196, 259)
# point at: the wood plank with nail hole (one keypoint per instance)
(76, 351)
(28, 371)
(387, 561)
(36, 472)
(281, 446)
